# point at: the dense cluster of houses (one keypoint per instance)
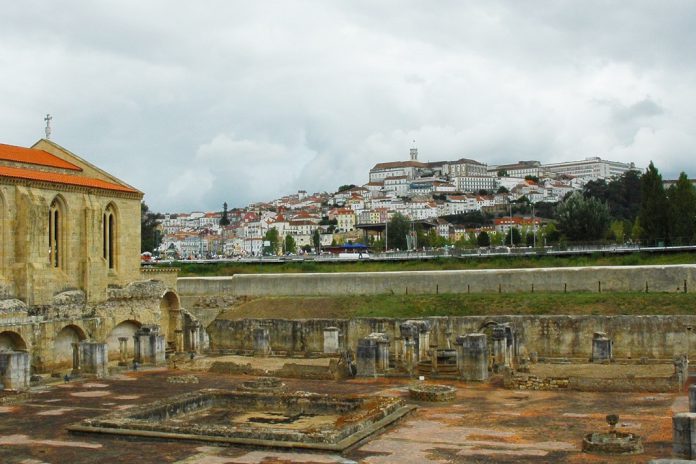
(426, 192)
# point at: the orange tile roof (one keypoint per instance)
(34, 156)
(66, 179)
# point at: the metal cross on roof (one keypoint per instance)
(48, 125)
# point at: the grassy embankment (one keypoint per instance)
(456, 304)
(438, 264)
(465, 305)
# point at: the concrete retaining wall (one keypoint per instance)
(677, 278)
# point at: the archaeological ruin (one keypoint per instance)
(95, 349)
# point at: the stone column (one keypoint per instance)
(95, 358)
(15, 370)
(601, 348)
(149, 345)
(433, 366)
(419, 332)
(366, 357)
(77, 368)
(331, 344)
(157, 349)
(179, 340)
(423, 341)
(193, 340)
(122, 351)
(684, 435)
(499, 347)
(382, 353)
(262, 341)
(410, 355)
(472, 356)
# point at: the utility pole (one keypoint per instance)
(533, 226)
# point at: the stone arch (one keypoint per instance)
(57, 232)
(125, 329)
(63, 345)
(171, 322)
(110, 235)
(12, 341)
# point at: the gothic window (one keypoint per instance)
(109, 241)
(56, 234)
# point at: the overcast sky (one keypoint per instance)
(196, 103)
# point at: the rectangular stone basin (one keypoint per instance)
(287, 420)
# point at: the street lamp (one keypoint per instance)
(510, 225)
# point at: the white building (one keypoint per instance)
(592, 168)
(475, 183)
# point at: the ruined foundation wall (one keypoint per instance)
(676, 278)
(653, 337)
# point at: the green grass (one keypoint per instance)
(412, 306)
(498, 262)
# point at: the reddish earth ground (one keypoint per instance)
(485, 424)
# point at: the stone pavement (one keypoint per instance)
(485, 424)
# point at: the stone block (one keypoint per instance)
(472, 356)
(15, 370)
(331, 343)
(684, 435)
(366, 357)
(94, 358)
(602, 348)
(692, 398)
(261, 341)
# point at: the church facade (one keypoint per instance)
(70, 263)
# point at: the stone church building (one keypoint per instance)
(72, 291)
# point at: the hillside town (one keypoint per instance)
(425, 193)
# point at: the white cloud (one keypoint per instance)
(197, 104)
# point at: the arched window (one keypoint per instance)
(109, 236)
(56, 234)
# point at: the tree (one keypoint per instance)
(502, 173)
(545, 209)
(399, 226)
(290, 245)
(621, 194)
(483, 240)
(654, 207)
(316, 241)
(534, 179)
(150, 236)
(583, 219)
(502, 189)
(682, 202)
(345, 187)
(516, 236)
(273, 241)
(551, 234)
(529, 238)
(224, 220)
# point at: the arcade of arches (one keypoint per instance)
(71, 283)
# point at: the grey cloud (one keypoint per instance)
(197, 104)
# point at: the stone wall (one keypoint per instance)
(618, 384)
(42, 328)
(634, 337)
(675, 278)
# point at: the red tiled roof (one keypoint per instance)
(66, 179)
(34, 156)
